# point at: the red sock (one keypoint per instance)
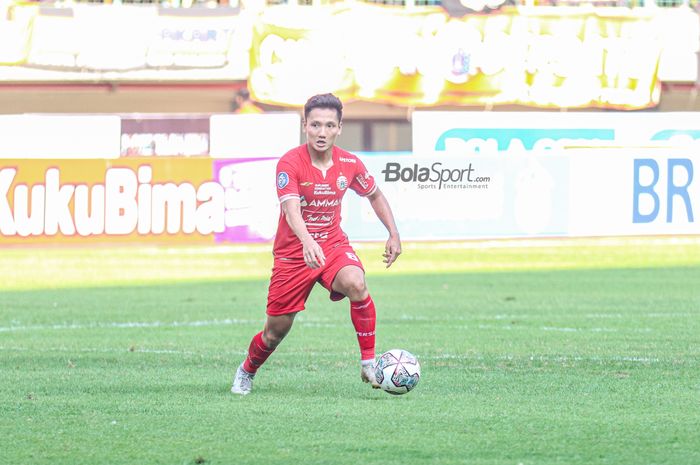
(364, 318)
(257, 354)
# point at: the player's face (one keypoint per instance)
(322, 128)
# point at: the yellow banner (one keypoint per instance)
(15, 34)
(147, 200)
(294, 56)
(538, 57)
(142, 42)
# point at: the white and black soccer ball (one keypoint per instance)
(397, 371)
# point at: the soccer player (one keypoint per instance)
(310, 247)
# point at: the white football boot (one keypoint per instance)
(242, 382)
(368, 376)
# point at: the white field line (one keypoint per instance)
(551, 242)
(128, 325)
(596, 330)
(542, 316)
(437, 357)
(644, 315)
(328, 323)
(306, 324)
(556, 329)
(98, 351)
(552, 358)
(440, 245)
(154, 324)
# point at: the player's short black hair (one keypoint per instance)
(324, 101)
(243, 93)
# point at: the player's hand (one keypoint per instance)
(392, 250)
(313, 254)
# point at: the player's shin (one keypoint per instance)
(258, 352)
(364, 319)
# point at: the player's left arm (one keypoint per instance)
(381, 208)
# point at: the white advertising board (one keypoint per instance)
(60, 136)
(583, 192)
(472, 133)
(634, 192)
(254, 135)
(439, 198)
(128, 43)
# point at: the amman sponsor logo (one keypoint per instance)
(435, 176)
(324, 203)
(127, 202)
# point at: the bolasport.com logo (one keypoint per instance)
(436, 176)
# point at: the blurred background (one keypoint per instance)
(185, 92)
(385, 59)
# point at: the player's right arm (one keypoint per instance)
(313, 253)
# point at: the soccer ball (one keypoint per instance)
(397, 371)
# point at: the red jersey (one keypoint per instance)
(320, 197)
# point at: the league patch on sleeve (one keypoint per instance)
(282, 180)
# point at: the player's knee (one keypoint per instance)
(272, 339)
(276, 328)
(356, 289)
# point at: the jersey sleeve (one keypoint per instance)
(363, 182)
(287, 181)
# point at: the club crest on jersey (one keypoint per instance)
(342, 182)
(282, 180)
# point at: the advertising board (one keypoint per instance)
(584, 192)
(59, 136)
(269, 134)
(546, 58)
(494, 133)
(114, 201)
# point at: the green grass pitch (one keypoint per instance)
(543, 352)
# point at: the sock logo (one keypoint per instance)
(371, 333)
(360, 307)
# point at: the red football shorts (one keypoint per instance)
(292, 280)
